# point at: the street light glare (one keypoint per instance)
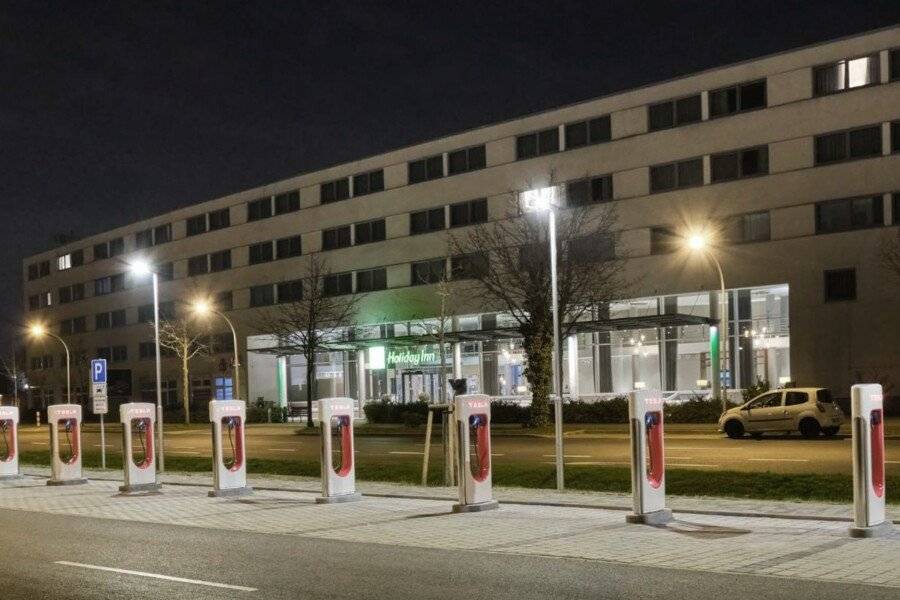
(140, 267)
(538, 200)
(697, 241)
(37, 330)
(201, 307)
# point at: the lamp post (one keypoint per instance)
(539, 200)
(203, 308)
(37, 330)
(142, 268)
(699, 242)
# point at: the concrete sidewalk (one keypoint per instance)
(589, 526)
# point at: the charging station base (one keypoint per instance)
(479, 507)
(140, 488)
(231, 492)
(880, 530)
(658, 517)
(11, 477)
(341, 498)
(66, 481)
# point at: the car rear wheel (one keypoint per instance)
(809, 428)
(734, 429)
(830, 431)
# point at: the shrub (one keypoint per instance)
(614, 410)
(388, 411)
(697, 410)
(752, 391)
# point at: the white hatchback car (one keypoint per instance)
(810, 411)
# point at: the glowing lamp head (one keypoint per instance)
(141, 267)
(697, 241)
(37, 330)
(201, 308)
(539, 200)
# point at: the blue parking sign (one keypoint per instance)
(98, 370)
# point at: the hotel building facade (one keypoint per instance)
(793, 158)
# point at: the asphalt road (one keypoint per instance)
(685, 448)
(52, 556)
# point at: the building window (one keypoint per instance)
(259, 209)
(840, 285)
(116, 247)
(845, 75)
(737, 98)
(338, 237)
(592, 248)
(468, 266)
(162, 234)
(166, 271)
(426, 169)
(64, 262)
(895, 136)
(77, 291)
(290, 291)
(119, 353)
(368, 183)
(118, 318)
(220, 261)
(751, 227)
(196, 225)
(847, 214)
(44, 268)
(34, 302)
(262, 295)
(895, 64)
(428, 271)
(739, 164)
(687, 173)
(288, 247)
(467, 159)
(46, 299)
(370, 231)
(371, 280)
(225, 300)
(101, 251)
(102, 321)
(198, 265)
(426, 220)
(663, 240)
(848, 145)
(468, 213)
(260, 253)
(674, 113)
(143, 239)
(338, 284)
(286, 203)
(33, 272)
(145, 313)
(333, 191)
(586, 133)
(896, 207)
(589, 191)
(108, 285)
(65, 295)
(537, 143)
(219, 219)
(104, 353)
(224, 387)
(147, 351)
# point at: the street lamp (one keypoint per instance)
(203, 308)
(37, 330)
(141, 268)
(540, 200)
(699, 242)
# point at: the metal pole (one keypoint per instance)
(159, 407)
(68, 367)
(237, 356)
(102, 443)
(723, 329)
(557, 366)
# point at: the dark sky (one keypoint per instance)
(112, 111)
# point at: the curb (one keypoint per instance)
(687, 511)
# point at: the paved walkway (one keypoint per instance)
(578, 525)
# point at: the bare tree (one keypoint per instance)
(515, 274)
(12, 369)
(438, 327)
(186, 340)
(308, 323)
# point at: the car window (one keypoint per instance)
(767, 400)
(824, 396)
(795, 398)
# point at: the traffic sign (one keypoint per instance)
(98, 386)
(98, 370)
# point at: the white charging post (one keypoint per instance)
(65, 436)
(473, 421)
(338, 481)
(648, 459)
(867, 412)
(9, 443)
(138, 425)
(229, 473)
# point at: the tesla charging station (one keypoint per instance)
(867, 408)
(338, 480)
(473, 420)
(9, 443)
(648, 458)
(65, 444)
(138, 423)
(229, 459)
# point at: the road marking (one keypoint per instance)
(492, 454)
(585, 463)
(671, 464)
(226, 586)
(567, 455)
(283, 449)
(779, 459)
(402, 452)
(182, 452)
(892, 462)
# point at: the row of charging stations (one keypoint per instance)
(9, 443)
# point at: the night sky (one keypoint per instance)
(112, 112)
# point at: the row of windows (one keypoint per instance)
(363, 184)
(211, 221)
(209, 263)
(271, 206)
(848, 214)
(726, 166)
(458, 161)
(470, 212)
(153, 236)
(276, 250)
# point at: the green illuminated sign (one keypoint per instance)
(411, 358)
